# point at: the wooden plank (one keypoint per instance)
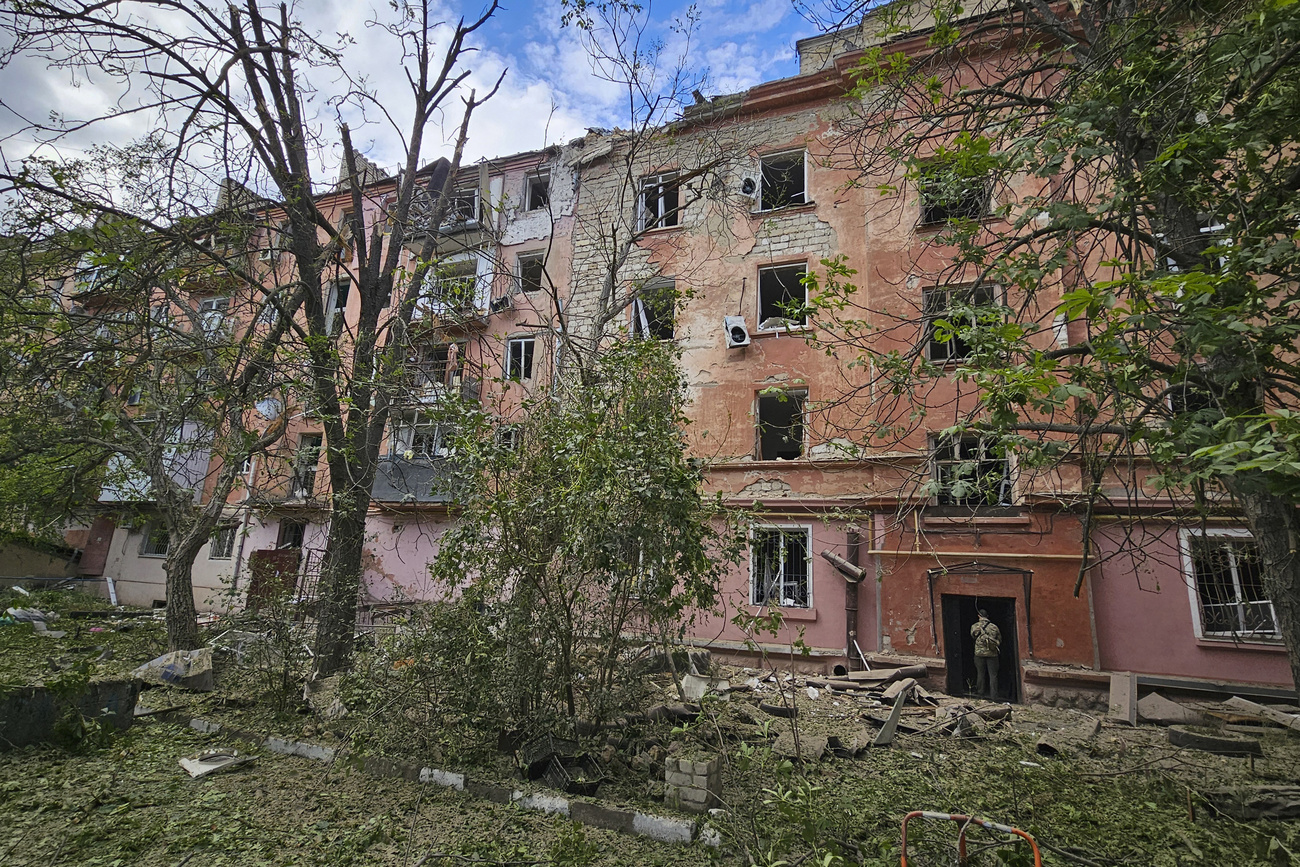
(886, 736)
(1246, 706)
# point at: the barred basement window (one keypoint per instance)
(156, 541)
(781, 566)
(222, 545)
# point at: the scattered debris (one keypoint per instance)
(1256, 802)
(1286, 720)
(1213, 741)
(577, 775)
(808, 747)
(1155, 708)
(322, 696)
(886, 736)
(211, 761)
(37, 618)
(1067, 740)
(190, 669)
(695, 687)
(1123, 698)
(778, 710)
(535, 756)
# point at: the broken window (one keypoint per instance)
(945, 196)
(462, 209)
(652, 312)
(304, 470)
(336, 303)
(453, 284)
(435, 365)
(971, 471)
(1229, 586)
(782, 181)
(508, 436)
(292, 534)
(538, 191)
(782, 297)
(660, 201)
(156, 541)
(212, 315)
(780, 425)
(949, 313)
(532, 270)
(519, 358)
(222, 545)
(417, 437)
(780, 567)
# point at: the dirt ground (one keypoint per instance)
(1121, 796)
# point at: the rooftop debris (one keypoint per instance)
(213, 760)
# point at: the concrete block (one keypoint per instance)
(693, 795)
(710, 836)
(202, 725)
(712, 766)
(1123, 698)
(662, 828)
(545, 803)
(599, 816)
(443, 778)
(677, 778)
(489, 792)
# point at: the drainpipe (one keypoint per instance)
(851, 604)
(243, 525)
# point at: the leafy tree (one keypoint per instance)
(579, 525)
(1139, 160)
(228, 89)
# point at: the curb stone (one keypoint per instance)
(662, 829)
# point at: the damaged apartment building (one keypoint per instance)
(866, 549)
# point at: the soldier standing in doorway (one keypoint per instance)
(988, 644)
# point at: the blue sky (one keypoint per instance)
(551, 92)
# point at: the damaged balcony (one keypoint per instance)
(418, 467)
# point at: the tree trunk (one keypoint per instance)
(340, 581)
(1275, 524)
(182, 628)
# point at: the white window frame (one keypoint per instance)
(454, 284)
(152, 528)
(531, 180)
(641, 311)
(1185, 536)
(333, 309)
(509, 367)
(212, 314)
(408, 429)
(666, 218)
(785, 530)
(802, 195)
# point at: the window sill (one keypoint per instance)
(153, 556)
(777, 332)
(784, 209)
(796, 615)
(976, 518)
(659, 230)
(1267, 646)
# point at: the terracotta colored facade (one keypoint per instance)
(766, 414)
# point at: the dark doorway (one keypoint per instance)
(959, 615)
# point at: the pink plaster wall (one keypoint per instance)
(1145, 617)
(398, 550)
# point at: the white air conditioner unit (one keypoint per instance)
(737, 331)
(749, 187)
(268, 254)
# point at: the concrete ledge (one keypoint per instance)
(663, 829)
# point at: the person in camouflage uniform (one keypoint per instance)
(988, 644)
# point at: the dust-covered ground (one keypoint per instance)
(1116, 795)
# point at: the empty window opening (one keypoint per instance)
(945, 197)
(222, 545)
(950, 314)
(653, 313)
(336, 304)
(780, 425)
(782, 181)
(532, 271)
(782, 297)
(780, 567)
(462, 208)
(539, 192)
(418, 437)
(660, 201)
(508, 436)
(971, 471)
(292, 534)
(1230, 587)
(157, 541)
(305, 465)
(519, 358)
